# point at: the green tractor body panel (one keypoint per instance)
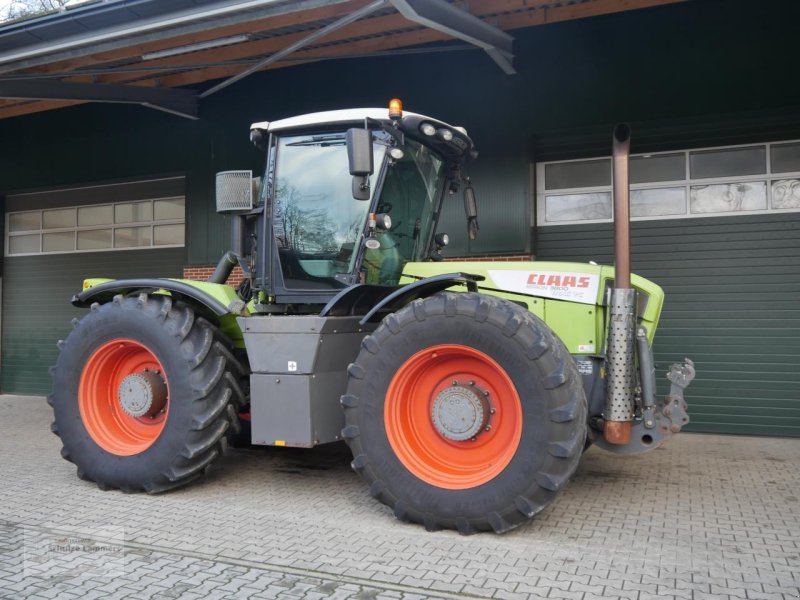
(569, 297)
(225, 294)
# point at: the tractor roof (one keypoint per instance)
(410, 121)
(331, 117)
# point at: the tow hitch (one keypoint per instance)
(660, 419)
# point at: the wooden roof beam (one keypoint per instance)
(273, 22)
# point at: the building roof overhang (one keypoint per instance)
(164, 54)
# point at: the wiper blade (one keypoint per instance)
(321, 141)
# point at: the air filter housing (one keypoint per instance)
(236, 191)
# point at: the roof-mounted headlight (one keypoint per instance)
(445, 134)
(427, 129)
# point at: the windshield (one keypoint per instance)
(318, 225)
(410, 196)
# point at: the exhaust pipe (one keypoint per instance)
(231, 258)
(224, 267)
(622, 207)
(620, 367)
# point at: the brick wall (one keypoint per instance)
(202, 273)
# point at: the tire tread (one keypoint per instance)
(537, 343)
(215, 372)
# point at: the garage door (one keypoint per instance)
(56, 238)
(719, 230)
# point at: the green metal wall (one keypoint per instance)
(732, 286)
(505, 204)
(573, 77)
(95, 144)
(37, 312)
(707, 72)
(37, 289)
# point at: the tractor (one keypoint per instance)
(467, 391)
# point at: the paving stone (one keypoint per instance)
(704, 517)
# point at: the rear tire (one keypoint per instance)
(119, 345)
(501, 457)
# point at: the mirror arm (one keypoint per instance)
(361, 189)
(392, 130)
(471, 210)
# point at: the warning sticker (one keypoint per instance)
(560, 285)
(585, 367)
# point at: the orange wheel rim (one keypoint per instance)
(113, 364)
(453, 416)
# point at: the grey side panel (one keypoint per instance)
(310, 343)
(296, 410)
(299, 372)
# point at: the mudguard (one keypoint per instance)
(369, 300)
(422, 289)
(215, 300)
(104, 292)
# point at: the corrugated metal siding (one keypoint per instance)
(502, 189)
(732, 304)
(37, 289)
(37, 312)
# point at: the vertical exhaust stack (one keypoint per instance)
(620, 363)
(622, 207)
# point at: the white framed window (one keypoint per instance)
(704, 182)
(152, 223)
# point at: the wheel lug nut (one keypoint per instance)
(492, 411)
(488, 428)
(455, 382)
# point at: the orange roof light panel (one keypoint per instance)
(395, 109)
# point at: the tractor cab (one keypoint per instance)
(347, 197)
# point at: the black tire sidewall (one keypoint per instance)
(527, 375)
(108, 322)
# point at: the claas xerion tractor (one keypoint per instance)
(466, 391)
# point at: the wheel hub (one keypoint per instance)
(142, 394)
(460, 412)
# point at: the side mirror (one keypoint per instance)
(471, 209)
(359, 151)
(359, 155)
(258, 138)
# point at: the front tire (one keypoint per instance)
(144, 391)
(464, 411)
